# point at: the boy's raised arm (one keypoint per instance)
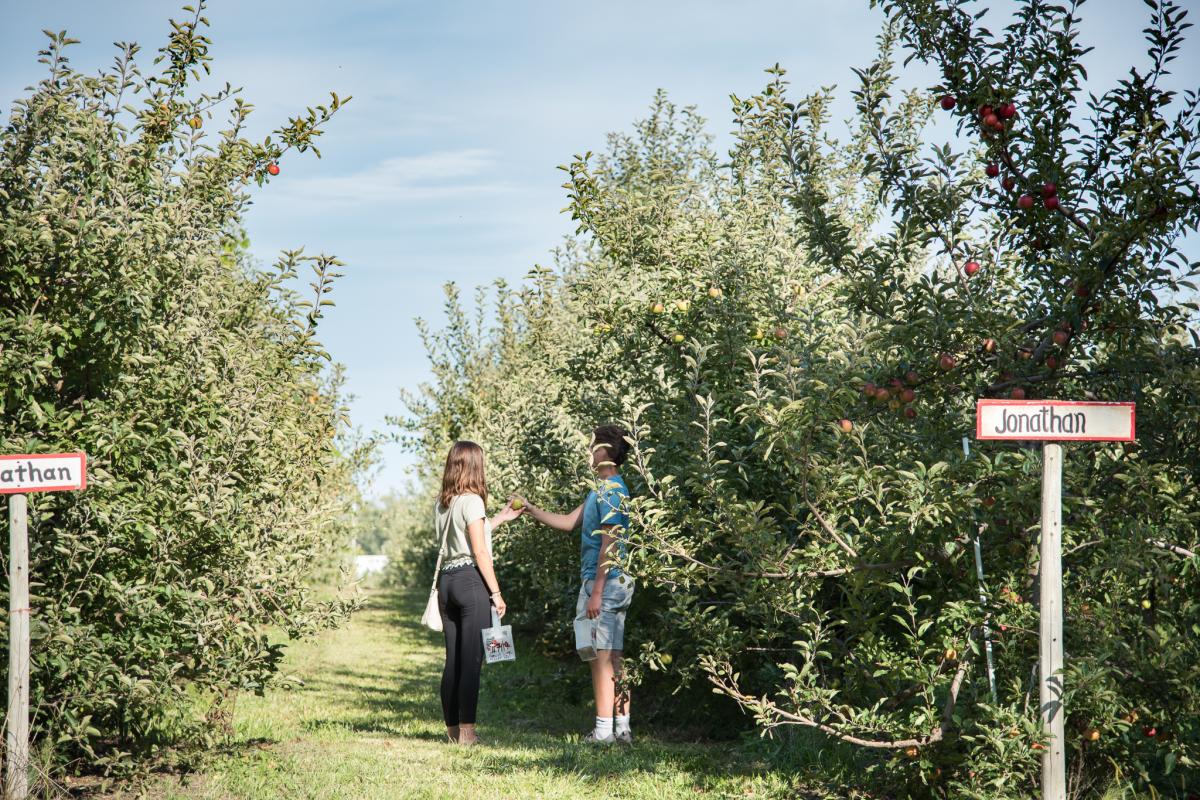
(562, 522)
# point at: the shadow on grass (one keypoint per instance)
(400, 697)
(533, 712)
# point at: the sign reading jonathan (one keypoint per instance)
(62, 472)
(19, 475)
(1054, 420)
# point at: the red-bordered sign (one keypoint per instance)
(1054, 420)
(58, 472)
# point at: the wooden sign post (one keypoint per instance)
(20, 475)
(1051, 421)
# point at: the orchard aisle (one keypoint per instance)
(366, 725)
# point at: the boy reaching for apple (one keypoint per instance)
(606, 591)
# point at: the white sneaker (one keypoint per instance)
(625, 737)
(591, 738)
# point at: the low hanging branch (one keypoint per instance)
(772, 716)
(1172, 548)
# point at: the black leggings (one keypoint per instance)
(466, 611)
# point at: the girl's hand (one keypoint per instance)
(506, 514)
(501, 606)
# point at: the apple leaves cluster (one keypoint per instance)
(795, 335)
(134, 327)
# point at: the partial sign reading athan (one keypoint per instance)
(59, 472)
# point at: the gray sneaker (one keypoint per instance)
(625, 737)
(591, 738)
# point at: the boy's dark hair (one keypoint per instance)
(612, 439)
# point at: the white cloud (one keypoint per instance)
(435, 175)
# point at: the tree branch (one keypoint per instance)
(767, 709)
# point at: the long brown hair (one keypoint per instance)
(463, 473)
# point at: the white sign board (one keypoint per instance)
(61, 472)
(1054, 420)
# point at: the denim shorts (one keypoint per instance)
(610, 625)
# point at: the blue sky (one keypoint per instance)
(443, 167)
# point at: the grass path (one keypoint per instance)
(367, 724)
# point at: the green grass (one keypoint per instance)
(367, 724)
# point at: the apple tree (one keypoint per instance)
(795, 336)
(135, 327)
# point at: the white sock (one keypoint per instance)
(621, 724)
(604, 727)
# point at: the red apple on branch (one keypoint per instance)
(971, 267)
(1025, 202)
(992, 170)
(948, 102)
(946, 362)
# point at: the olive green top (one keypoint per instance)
(452, 523)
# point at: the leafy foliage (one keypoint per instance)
(792, 338)
(133, 327)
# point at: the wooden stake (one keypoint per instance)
(17, 751)
(1050, 691)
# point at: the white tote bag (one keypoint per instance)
(432, 618)
(498, 641)
(585, 638)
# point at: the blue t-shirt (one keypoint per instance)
(602, 507)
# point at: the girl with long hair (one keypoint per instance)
(467, 585)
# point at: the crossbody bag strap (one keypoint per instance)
(442, 544)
